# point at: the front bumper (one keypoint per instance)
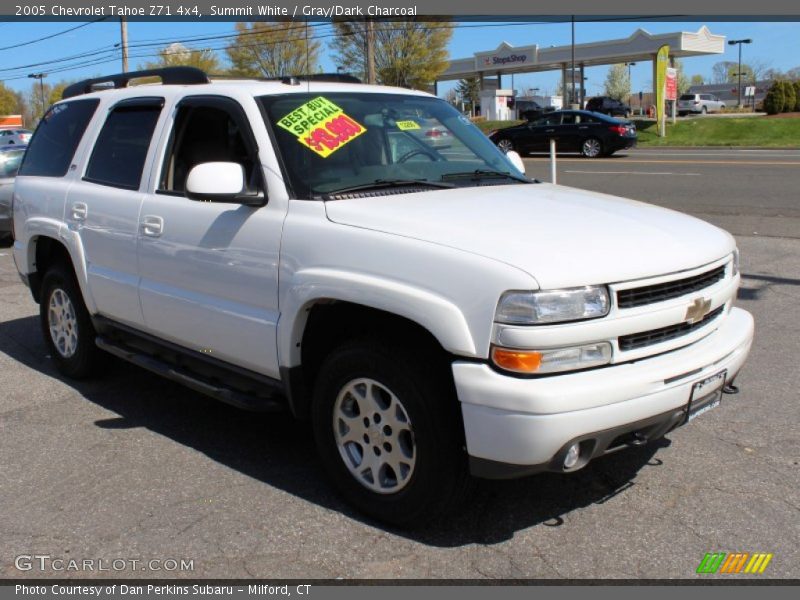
(513, 425)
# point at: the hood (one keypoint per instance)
(561, 236)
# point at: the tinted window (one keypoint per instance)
(121, 148)
(57, 137)
(553, 119)
(687, 97)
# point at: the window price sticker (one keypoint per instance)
(321, 126)
(407, 125)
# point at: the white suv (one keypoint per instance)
(300, 244)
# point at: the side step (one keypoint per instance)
(191, 380)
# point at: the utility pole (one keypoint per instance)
(370, 51)
(123, 30)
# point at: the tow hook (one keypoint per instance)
(639, 439)
(729, 388)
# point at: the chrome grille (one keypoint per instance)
(663, 334)
(659, 292)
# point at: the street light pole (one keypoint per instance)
(739, 74)
(40, 77)
(630, 84)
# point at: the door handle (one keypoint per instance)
(152, 225)
(79, 211)
(584, 127)
(549, 130)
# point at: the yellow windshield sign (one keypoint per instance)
(322, 126)
(407, 125)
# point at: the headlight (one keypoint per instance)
(539, 362)
(552, 306)
(735, 263)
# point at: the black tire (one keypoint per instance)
(439, 479)
(592, 148)
(85, 358)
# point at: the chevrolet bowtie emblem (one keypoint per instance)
(697, 310)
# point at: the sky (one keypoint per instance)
(776, 44)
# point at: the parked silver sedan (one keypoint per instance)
(10, 160)
(19, 137)
(699, 104)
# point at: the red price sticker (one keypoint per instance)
(322, 126)
(331, 135)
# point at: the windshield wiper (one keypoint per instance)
(484, 174)
(388, 183)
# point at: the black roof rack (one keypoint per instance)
(168, 75)
(296, 79)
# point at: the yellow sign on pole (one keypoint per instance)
(662, 62)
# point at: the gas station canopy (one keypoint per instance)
(639, 47)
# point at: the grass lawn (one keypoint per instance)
(767, 132)
(750, 131)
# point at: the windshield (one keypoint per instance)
(332, 142)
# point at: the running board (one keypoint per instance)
(192, 381)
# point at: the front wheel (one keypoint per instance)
(591, 148)
(66, 326)
(505, 146)
(388, 432)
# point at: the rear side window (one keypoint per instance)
(121, 148)
(687, 97)
(57, 137)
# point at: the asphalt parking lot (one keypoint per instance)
(134, 467)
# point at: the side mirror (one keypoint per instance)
(515, 159)
(220, 182)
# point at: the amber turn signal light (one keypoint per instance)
(519, 361)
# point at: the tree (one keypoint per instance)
(179, 55)
(682, 80)
(774, 100)
(469, 91)
(793, 74)
(617, 84)
(407, 53)
(797, 95)
(789, 96)
(273, 50)
(697, 80)
(9, 102)
(451, 97)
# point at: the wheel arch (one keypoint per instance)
(325, 323)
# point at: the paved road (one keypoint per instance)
(133, 467)
(748, 192)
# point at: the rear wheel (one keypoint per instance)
(389, 433)
(591, 148)
(66, 326)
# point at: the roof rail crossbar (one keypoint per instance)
(168, 75)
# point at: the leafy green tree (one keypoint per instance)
(682, 79)
(789, 96)
(697, 80)
(469, 91)
(407, 53)
(774, 100)
(9, 102)
(617, 84)
(273, 50)
(797, 95)
(179, 55)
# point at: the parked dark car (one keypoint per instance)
(530, 109)
(591, 134)
(608, 106)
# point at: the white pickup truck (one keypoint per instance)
(311, 245)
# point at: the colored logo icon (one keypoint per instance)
(736, 562)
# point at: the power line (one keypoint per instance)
(52, 35)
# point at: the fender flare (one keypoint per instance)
(441, 317)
